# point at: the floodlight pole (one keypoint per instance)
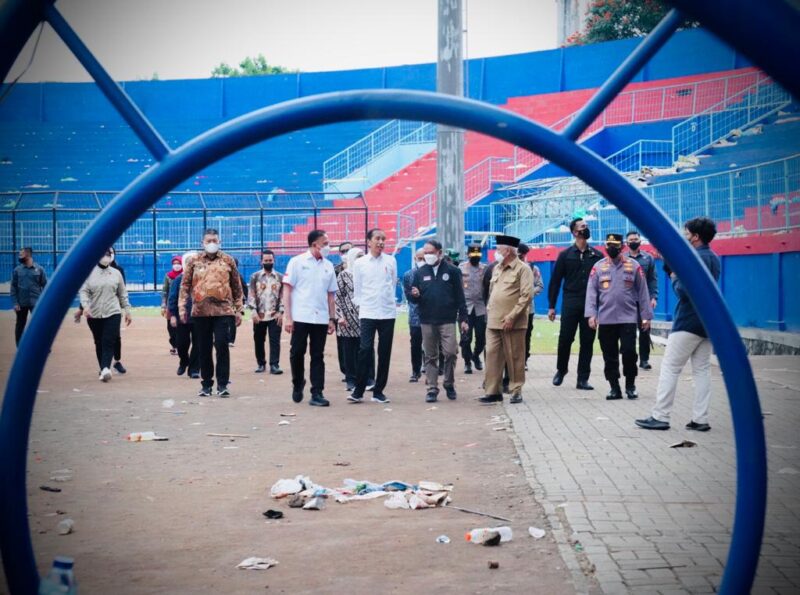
(450, 140)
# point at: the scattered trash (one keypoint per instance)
(387, 409)
(443, 539)
(788, 471)
(494, 565)
(536, 532)
(766, 413)
(316, 503)
(500, 429)
(49, 489)
(66, 527)
(397, 502)
(168, 403)
(489, 535)
(257, 564)
(578, 547)
(470, 445)
(230, 447)
(273, 514)
(214, 435)
(434, 408)
(76, 390)
(144, 437)
(478, 512)
(297, 501)
(341, 464)
(287, 487)
(62, 475)
(284, 423)
(288, 415)
(683, 444)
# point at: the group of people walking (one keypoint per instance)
(485, 310)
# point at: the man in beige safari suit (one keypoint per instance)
(507, 311)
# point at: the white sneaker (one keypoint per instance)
(105, 374)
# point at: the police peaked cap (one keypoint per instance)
(614, 238)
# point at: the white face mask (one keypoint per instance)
(105, 261)
(324, 251)
(499, 256)
(176, 267)
(212, 247)
(431, 259)
(111, 258)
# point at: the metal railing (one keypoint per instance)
(751, 200)
(358, 155)
(642, 153)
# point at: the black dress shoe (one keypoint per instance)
(319, 400)
(451, 392)
(652, 423)
(297, 395)
(490, 399)
(260, 369)
(478, 364)
(584, 385)
(181, 370)
(467, 368)
(558, 379)
(692, 425)
(517, 398)
(275, 370)
(614, 394)
(645, 365)
(630, 392)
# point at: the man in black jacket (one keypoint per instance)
(572, 268)
(438, 291)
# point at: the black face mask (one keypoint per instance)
(634, 245)
(612, 251)
(268, 267)
(21, 260)
(585, 233)
(474, 260)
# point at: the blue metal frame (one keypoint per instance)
(777, 56)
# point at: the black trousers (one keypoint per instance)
(644, 344)
(616, 339)
(213, 333)
(312, 336)
(22, 320)
(232, 331)
(571, 319)
(340, 353)
(528, 334)
(477, 327)
(105, 332)
(186, 344)
(260, 332)
(416, 349)
(173, 334)
(366, 351)
(349, 358)
(118, 344)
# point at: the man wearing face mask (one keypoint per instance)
(472, 273)
(264, 299)
(309, 288)
(688, 340)
(616, 299)
(510, 298)
(414, 325)
(27, 282)
(538, 287)
(572, 268)
(648, 264)
(438, 291)
(213, 282)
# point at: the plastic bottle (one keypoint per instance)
(484, 534)
(60, 580)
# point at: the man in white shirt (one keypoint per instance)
(309, 314)
(374, 282)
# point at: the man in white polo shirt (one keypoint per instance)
(309, 287)
(374, 282)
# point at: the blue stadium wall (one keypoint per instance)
(489, 79)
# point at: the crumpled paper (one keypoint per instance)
(257, 563)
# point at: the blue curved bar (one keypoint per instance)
(654, 41)
(142, 193)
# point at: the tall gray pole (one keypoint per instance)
(450, 141)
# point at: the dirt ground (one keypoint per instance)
(178, 516)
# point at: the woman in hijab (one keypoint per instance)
(176, 270)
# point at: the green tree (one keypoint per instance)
(248, 67)
(607, 20)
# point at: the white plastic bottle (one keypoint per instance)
(60, 580)
(484, 534)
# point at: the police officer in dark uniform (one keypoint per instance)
(572, 269)
(648, 264)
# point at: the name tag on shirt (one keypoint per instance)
(428, 278)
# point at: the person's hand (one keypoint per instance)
(77, 316)
(508, 323)
(185, 318)
(238, 319)
(261, 316)
(331, 327)
(128, 319)
(343, 323)
(645, 325)
(255, 317)
(164, 311)
(593, 322)
(87, 313)
(279, 319)
(551, 314)
(415, 292)
(464, 327)
(288, 325)
(16, 308)
(653, 303)
(173, 321)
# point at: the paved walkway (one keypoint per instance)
(634, 515)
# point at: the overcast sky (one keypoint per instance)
(134, 39)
